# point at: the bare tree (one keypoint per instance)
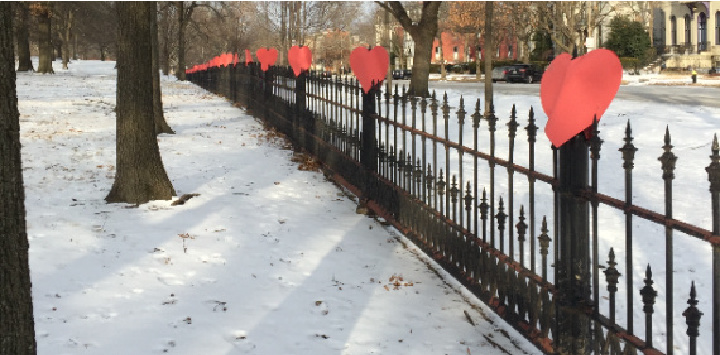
(569, 23)
(140, 174)
(95, 24)
(161, 125)
(17, 331)
(65, 13)
(43, 12)
(22, 35)
(423, 32)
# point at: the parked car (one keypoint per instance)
(499, 74)
(524, 73)
(402, 74)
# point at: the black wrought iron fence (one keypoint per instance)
(433, 173)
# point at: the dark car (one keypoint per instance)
(402, 74)
(524, 73)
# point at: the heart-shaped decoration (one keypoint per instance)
(574, 91)
(267, 57)
(370, 66)
(300, 59)
(248, 57)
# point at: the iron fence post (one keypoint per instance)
(368, 155)
(713, 171)
(300, 106)
(572, 274)
(668, 160)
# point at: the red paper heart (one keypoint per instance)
(267, 57)
(574, 91)
(300, 59)
(369, 66)
(248, 57)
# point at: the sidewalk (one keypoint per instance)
(270, 258)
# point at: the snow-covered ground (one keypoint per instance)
(268, 259)
(271, 259)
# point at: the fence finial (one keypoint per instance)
(668, 158)
(692, 318)
(648, 294)
(512, 125)
(612, 277)
(477, 116)
(461, 111)
(531, 128)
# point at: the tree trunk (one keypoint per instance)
(17, 329)
(23, 37)
(489, 52)
(478, 53)
(180, 73)
(283, 35)
(66, 39)
(161, 125)
(140, 174)
(386, 44)
(74, 47)
(443, 70)
(423, 32)
(421, 63)
(165, 52)
(45, 41)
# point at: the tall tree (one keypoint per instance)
(43, 12)
(65, 12)
(184, 14)
(165, 26)
(95, 25)
(629, 39)
(22, 35)
(17, 330)
(161, 125)
(140, 174)
(423, 32)
(569, 23)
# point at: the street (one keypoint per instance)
(665, 94)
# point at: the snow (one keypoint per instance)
(271, 259)
(268, 259)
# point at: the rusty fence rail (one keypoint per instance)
(437, 176)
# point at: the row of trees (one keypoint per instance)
(140, 174)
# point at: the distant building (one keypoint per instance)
(456, 47)
(689, 34)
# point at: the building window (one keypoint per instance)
(437, 52)
(688, 41)
(717, 27)
(673, 31)
(455, 52)
(510, 51)
(702, 32)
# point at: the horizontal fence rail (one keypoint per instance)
(435, 172)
